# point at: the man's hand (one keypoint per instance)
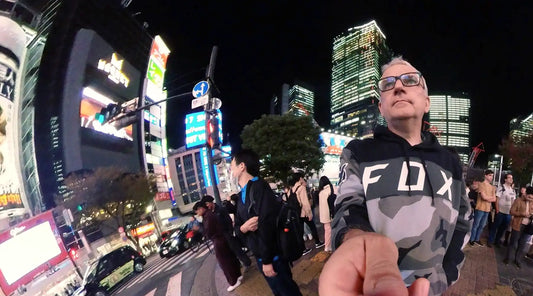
(366, 264)
(268, 270)
(250, 225)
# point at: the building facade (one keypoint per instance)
(520, 127)
(301, 100)
(80, 56)
(190, 174)
(358, 55)
(449, 120)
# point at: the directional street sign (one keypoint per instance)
(201, 101)
(200, 89)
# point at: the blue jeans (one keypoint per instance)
(282, 284)
(501, 221)
(480, 219)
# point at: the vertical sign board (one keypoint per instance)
(195, 128)
(12, 40)
(155, 75)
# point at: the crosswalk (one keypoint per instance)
(159, 265)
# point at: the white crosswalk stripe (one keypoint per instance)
(174, 285)
(159, 265)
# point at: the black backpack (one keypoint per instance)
(290, 230)
(290, 233)
(292, 200)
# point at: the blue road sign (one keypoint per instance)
(200, 89)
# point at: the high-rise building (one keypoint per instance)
(521, 127)
(301, 100)
(449, 120)
(358, 55)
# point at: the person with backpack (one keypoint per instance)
(298, 192)
(256, 220)
(325, 196)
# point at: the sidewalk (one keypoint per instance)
(483, 274)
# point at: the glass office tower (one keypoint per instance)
(520, 127)
(301, 101)
(449, 119)
(357, 57)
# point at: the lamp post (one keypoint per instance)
(495, 180)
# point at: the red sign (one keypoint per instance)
(145, 229)
(160, 196)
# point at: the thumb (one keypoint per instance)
(420, 287)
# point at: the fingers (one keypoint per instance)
(342, 274)
(366, 263)
(420, 287)
(382, 276)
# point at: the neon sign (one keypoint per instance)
(114, 69)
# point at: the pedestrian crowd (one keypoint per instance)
(397, 220)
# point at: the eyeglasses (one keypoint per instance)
(407, 79)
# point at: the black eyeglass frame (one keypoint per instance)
(396, 78)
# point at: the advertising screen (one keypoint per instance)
(28, 249)
(10, 197)
(91, 103)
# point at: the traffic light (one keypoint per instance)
(107, 113)
(73, 252)
(211, 129)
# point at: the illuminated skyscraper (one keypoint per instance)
(449, 119)
(520, 127)
(357, 57)
(301, 100)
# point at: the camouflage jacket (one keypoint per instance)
(414, 195)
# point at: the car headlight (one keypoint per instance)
(174, 243)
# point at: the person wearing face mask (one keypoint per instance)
(401, 212)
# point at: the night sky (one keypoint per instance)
(481, 48)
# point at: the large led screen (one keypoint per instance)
(91, 104)
(27, 249)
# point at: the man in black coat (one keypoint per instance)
(255, 220)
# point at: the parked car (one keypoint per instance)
(104, 274)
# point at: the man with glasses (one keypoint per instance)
(401, 213)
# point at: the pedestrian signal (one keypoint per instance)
(211, 129)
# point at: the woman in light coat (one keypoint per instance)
(325, 189)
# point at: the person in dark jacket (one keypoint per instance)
(226, 258)
(255, 220)
(401, 217)
(227, 227)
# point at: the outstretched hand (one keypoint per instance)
(366, 264)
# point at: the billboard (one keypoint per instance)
(12, 44)
(334, 143)
(195, 128)
(91, 103)
(28, 249)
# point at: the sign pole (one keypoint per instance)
(209, 112)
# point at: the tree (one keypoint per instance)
(284, 143)
(517, 154)
(109, 194)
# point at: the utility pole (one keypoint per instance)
(211, 111)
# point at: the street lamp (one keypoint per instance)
(496, 156)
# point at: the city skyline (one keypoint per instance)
(459, 47)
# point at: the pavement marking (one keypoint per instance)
(174, 285)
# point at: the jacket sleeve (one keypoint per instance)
(304, 201)
(268, 209)
(350, 205)
(454, 257)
